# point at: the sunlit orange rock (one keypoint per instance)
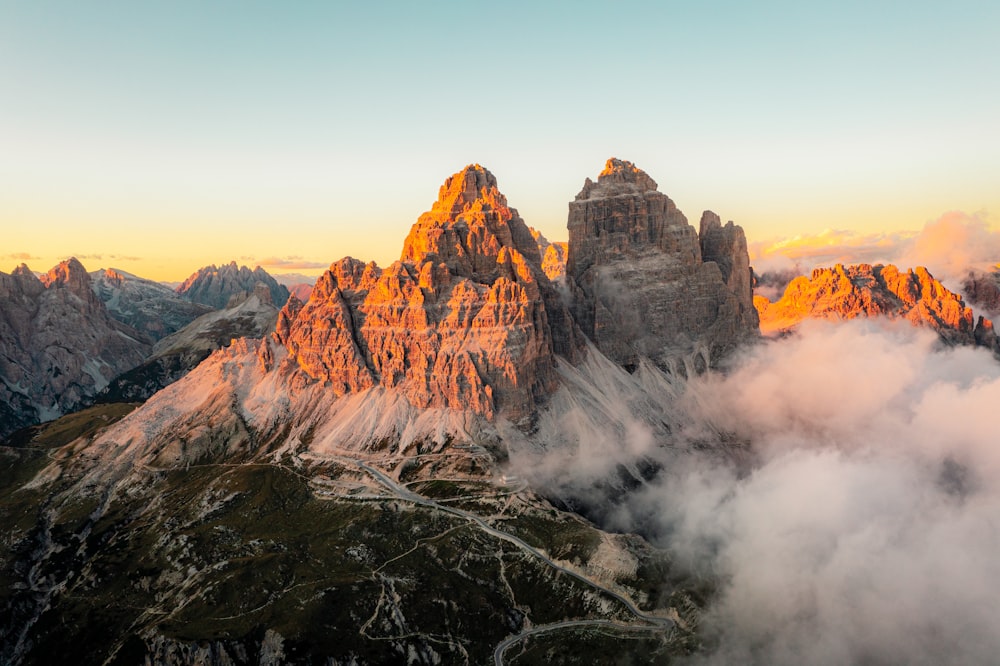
(461, 321)
(863, 290)
(553, 255)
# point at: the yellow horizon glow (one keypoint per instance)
(170, 253)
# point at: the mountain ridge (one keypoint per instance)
(180, 352)
(866, 290)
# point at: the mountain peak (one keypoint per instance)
(622, 169)
(112, 276)
(59, 344)
(215, 286)
(23, 271)
(618, 177)
(69, 273)
(462, 321)
(467, 227)
(643, 286)
(462, 189)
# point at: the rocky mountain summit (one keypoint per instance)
(145, 305)
(217, 286)
(646, 284)
(464, 320)
(59, 345)
(863, 290)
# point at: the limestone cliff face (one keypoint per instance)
(863, 290)
(58, 344)
(645, 283)
(463, 320)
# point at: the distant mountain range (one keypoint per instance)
(177, 354)
(217, 286)
(59, 344)
(71, 335)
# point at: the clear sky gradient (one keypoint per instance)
(160, 137)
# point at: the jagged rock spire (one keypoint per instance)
(215, 285)
(462, 189)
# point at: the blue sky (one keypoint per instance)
(161, 137)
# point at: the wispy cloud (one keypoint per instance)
(102, 257)
(291, 263)
(865, 532)
(952, 245)
(21, 256)
(949, 247)
(832, 246)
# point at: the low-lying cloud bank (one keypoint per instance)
(949, 247)
(868, 530)
(862, 524)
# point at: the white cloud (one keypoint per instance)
(291, 263)
(952, 245)
(859, 526)
(865, 532)
(948, 247)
